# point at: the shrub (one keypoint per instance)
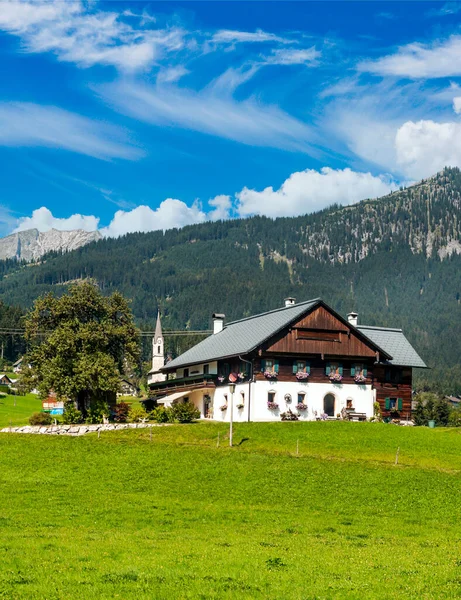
(71, 414)
(185, 412)
(162, 414)
(420, 416)
(121, 412)
(41, 418)
(137, 414)
(455, 417)
(98, 410)
(441, 412)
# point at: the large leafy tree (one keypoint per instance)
(80, 344)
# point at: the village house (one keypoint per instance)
(304, 358)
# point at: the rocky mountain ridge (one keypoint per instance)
(32, 244)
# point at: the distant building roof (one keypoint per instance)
(394, 343)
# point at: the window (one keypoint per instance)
(334, 368)
(186, 373)
(186, 399)
(358, 369)
(206, 369)
(301, 398)
(270, 365)
(393, 404)
(242, 397)
(301, 366)
(158, 349)
(349, 403)
(224, 369)
(271, 396)
(393, 375)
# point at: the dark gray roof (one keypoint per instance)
(240, 337)
(394, 343)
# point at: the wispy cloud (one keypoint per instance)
(248, 121)
(290, 56)
(229, 36)
(78, 33)
(449, 8)
(441, 58)
(27, 124)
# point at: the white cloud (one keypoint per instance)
(78, 34)
(439, 59)
(425, 147)
(27, 124)
(303, 192)
(310, 190)
(171, 213)
(228, 36)
(43, 220)
(248, 121)
(290, 56)
(172, 74)
(222, 207)
(457, 104)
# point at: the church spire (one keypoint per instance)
(158, 354)
(158, 329)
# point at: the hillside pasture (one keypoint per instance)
(176, 516)
(16, 410)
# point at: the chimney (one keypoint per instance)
(218, 322)
(352, 317)
(290, 301)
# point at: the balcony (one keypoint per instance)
(184, 383)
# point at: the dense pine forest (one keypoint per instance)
(395, 260)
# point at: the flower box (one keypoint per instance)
(360, 379)
(242, 376)
(335, 377)
(272, 405)
(221, 379)
(270, 374)
(223, 407)
(301, 406)
(301, 376)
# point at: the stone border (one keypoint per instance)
(76, 430)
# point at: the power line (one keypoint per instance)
(167, 333)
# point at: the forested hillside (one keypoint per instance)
(395, 260)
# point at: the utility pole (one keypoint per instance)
(232, 390)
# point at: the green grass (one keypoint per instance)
(177, 517)
(16, 410)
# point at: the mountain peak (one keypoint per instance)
(32, 244)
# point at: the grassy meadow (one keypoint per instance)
(16, 410)
(175, 516)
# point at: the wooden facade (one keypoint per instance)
(320, 333)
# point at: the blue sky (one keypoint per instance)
(135, 116)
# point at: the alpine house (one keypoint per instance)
(302, 358)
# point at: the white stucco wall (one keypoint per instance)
(362, 397)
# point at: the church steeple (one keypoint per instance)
(158, 354)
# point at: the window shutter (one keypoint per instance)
(308, 368)
(364, 372)
(263, 365)
(276, 366)
(352, 371)
(400, 403)
(295, 367)
(328, 369)
(387, 403)
(340, 369)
